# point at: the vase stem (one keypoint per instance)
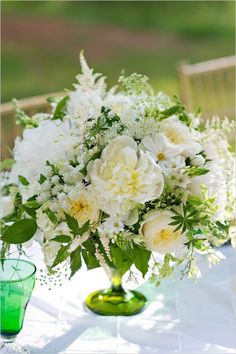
(116, 281)
(115, 301)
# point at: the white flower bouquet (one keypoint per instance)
(117, 179)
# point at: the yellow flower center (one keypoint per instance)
(174, 136)
(165, 236)
(125, 182)
(161, 156)
(80, 209)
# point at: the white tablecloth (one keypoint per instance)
(181, 316)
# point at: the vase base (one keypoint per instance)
(12, 348)
(113, 302)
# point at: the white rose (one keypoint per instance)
(6, 206)
(83, 206)
(50, 250)
(180, 136)
(159, 236)
(121, 174)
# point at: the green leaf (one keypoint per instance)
(23, 180)
(11, 218)
(141, 259)
(84, 228)
(195, 171)
(21, 117)
(88, 253)
(60, 109)
(90, 260)
(169, 112)
(75, 261)
(175, 259)
(29, 211)
(54, 168)
(104, 121)
(20, 232)
(121, 261)
(32, 204)
(72, 224)
(89, 246)
(61, 255)
(42, 179)
(52, 216)
(5, 248)
(51, 99)
(95, 156)
(6, 164)
(62, 238)
(223, 226)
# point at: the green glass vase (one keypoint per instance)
(116, 301)
(17, 279)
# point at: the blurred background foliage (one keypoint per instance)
(41, 40)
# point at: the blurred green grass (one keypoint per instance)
(146, 37)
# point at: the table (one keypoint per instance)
(181, 316)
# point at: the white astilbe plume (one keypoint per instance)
(88, 80)
(102, 261)
(86, 101)
(222, 125)
(105, 240)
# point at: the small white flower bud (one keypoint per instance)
(198, 161)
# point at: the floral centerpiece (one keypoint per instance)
(119, 178)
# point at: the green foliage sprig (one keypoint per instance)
(135, 84)
(21, 117)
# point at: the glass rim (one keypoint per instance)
(19, 260)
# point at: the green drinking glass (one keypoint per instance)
(116, 301)
(17, 279)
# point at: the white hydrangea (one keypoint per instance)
(52, 141)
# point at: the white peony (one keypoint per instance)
(122, 174)
(52, 140)
(166, 154)
(6, 206)
(159, 236)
